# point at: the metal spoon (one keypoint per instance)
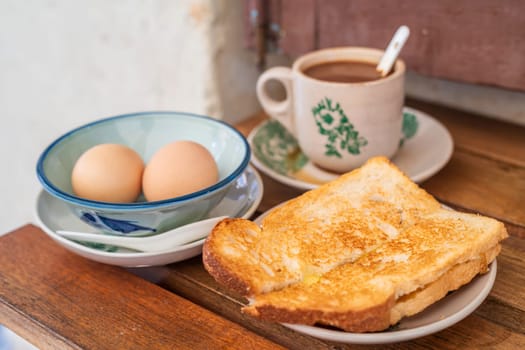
(392, 51)
(163, 241)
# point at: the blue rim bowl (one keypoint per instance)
(144, 132)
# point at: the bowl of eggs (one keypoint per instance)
(144, 173)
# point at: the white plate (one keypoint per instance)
(51, 214)
(422, 154)
(453, 308)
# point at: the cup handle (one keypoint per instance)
(279, 110)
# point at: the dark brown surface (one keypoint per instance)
(58, 300)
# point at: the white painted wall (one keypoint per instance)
(65, 63)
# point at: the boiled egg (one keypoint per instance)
(178, 168)
(108, 173)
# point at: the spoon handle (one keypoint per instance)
(124, 242)
(163, 241)
(393, 49)
(185, 234)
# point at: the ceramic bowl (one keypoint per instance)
(145, 133)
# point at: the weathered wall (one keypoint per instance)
(64, 63)
(466, 54)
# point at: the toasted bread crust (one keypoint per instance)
(373, 318)
(453, 279)
(215, 266)
(359, 253)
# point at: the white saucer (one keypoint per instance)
(51, 215)
(448, 311)
(426, 148)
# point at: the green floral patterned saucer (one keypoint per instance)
(425, 148)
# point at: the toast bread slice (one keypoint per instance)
(317, 231)
(358, 253)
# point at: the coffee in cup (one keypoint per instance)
(344, 71)
(338, 106)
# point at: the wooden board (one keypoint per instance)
(58, 300)
(473, 41)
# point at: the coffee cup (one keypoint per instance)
(338, 106)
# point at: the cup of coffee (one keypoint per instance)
(338, 106)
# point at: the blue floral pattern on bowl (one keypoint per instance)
(109, 224)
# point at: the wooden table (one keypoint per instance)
(58, 300)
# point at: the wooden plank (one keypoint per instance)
(483, 136)
(298, 22)
(188, 278)
(58, 300)
(446, 39)
(276, 193)
(481, 185)
(474, 332)
(509, 287)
